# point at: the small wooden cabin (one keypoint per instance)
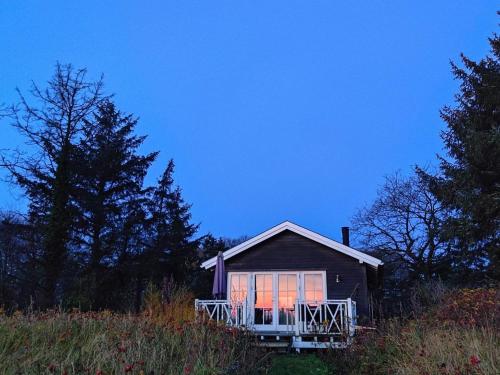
(296, 286)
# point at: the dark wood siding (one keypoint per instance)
(290, 251)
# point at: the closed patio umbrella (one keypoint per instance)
(219, 289)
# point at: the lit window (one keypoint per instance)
(264, 299)
(313, 287)
(238, 288)
(287, 294)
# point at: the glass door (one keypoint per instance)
(287, 295)
(264, 301)
(274, 295)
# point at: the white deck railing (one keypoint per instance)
(328, 317)
(332, 317)
(232, 314)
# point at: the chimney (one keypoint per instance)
(345, 236)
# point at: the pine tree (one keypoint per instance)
(469, 182)
(172, 250)
(110, 191)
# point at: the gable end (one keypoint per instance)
(331, 244)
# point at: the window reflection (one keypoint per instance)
(275, 303)
(287, 294)
(238, 288)
(313, 287)
(264, 299)
(238, 293)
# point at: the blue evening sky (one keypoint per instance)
(272, 110)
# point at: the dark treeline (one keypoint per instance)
(94, 234)
(444, 225)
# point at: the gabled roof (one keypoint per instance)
(287, 225)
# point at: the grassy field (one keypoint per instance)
(460, 336)
(305, 364)
(165, 339)
(105, 343)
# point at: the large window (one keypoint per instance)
(313, 287)
(287, 295)
(264, 299)
(271, 296)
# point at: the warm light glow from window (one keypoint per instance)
(287, 294)
(263, 299)
(239, 288)
(313, 287)
(287, 291)
(264, 291)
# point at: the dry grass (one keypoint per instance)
(163, 340)
(178, 310)
(458, 336)
(445, 350)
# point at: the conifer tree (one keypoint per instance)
(469, 179)
(110, 191)
(173, 249)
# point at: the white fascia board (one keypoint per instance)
(245, 245)
(362, 257)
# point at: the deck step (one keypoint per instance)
(273, 344)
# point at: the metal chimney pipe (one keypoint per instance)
(345, 236)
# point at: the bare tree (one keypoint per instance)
(51, 129)
(403, 225)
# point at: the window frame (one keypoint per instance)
(250, 300)
(249, 287)
(300, 273)
(303, 284)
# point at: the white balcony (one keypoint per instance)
(332, 317)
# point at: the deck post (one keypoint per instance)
(244, 313)
(297, 317)
(349, 316)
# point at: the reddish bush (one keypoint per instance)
(469, 307)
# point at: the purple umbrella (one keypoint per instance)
(219, 289)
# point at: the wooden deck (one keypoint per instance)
(316, 324)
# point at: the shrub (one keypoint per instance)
(469, 307)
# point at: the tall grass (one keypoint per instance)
(165, 339)
(174, 304)
(458, 335)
